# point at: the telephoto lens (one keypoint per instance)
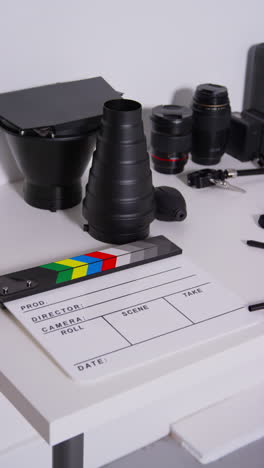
(119, 204)
(211, 123)
(170, 138)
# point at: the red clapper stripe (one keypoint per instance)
(109, 261)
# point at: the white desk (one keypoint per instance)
(212, 236)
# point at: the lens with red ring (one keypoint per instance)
(171, 138)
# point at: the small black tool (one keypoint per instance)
(257, 244)
(170, 204)
(208, 177)
(254, 307)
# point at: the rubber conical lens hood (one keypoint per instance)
(52, 168)
(119, 202)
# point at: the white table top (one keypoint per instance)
(218, 223)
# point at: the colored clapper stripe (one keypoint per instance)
(63, 276)
(80, 272)
(70, 262)
(54, 266)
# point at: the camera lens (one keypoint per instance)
(170, 138)
(211, 123)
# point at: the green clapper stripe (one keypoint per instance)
(65, 275)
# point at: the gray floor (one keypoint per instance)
(167, 454)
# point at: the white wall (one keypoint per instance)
(147, 48)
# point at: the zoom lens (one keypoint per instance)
(211, 123)
(170, 138)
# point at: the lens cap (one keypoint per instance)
(211, 94)
(173, 118)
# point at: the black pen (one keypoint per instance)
(253, 243)
(254, 307)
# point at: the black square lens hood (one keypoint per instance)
(51, 132)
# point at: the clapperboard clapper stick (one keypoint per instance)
(85, 266)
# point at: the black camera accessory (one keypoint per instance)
(83, 267)
(208, 177)
(170, 204)
(170, 138)
(261, 221)
(119, 202)
(246, 140)
(211, 122)
(253, 243)
(255, 307)
(51, 132)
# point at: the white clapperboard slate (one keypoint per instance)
(110, 324)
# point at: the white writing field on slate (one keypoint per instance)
(112, 323)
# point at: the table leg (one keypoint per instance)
(68, 454)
